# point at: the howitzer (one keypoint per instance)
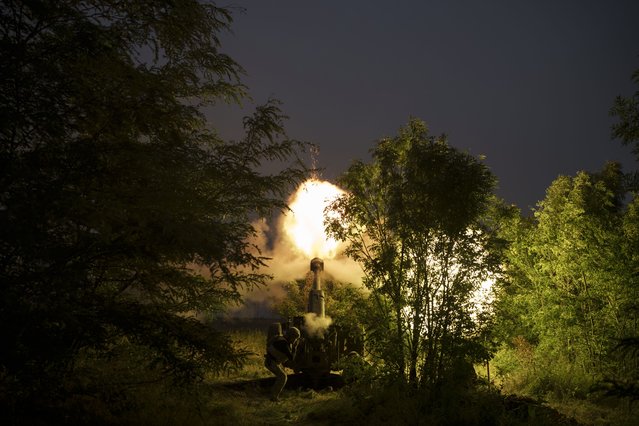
(320, 347)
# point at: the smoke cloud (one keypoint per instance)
(287, 259)
(316, 326)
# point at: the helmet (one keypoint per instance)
(292, 333)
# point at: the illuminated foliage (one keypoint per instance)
(572, 290)
(412, 219)
(626, 109)
(122, 214)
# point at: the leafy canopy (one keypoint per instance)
(122, 213)
(626, 109)
(413, 219)
(571, 292)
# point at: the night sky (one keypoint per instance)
(528, 84)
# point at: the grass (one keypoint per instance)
(600, 412)
(234, 398)
(218, 405)
(249, 404)
(254, 341)
(237, 398)
(586, 409)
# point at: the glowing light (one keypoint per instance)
(304, 224)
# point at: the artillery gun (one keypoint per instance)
(320, 349)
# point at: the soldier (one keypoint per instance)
(280, 352)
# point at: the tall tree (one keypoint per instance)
(626, 109)
(122, 213)
(570, 273)
(412, 218)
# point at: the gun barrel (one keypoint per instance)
(316, 295)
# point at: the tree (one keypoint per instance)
(626, 109)
(570, 277)
(627, 129)
(413, 220)
(122, 213)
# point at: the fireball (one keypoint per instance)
(304, 223)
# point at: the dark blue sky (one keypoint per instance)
(528, 84)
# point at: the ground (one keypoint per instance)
(249, 404)
(242, 398)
